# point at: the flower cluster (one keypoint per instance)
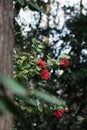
(59, 113)
(45, 74)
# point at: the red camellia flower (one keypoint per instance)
(42, 64)
(45, 74)
(64, 62)
(66, 109)
(58, 113)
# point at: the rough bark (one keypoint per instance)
(6, 52)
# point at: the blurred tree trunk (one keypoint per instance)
(47, 22)
(6, 52)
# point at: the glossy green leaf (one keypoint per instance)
(38, 68)
(34, 41)
(14, 86)
(40, 109)
(33, 6)
(39, 50)
(43, 83)
(49, 98)
(41, 46)
(31, 101)
(21, 2)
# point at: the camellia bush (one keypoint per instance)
(34, 70)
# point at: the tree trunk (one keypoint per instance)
(6, 52)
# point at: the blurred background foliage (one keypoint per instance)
(63, 29)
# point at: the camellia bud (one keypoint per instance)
(66, 109)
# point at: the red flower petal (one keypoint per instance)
(58, 113)
(45, 74)
(64, 62)
(42, 64)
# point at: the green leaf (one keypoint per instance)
(24, 58)
(64, 56)
(40, 109)
(23, 107)
(31, 101)
(39, 50)
(29, 109)
(41, 46)
(33, 6)
(34, 40)
(14, 129)
(49, 98)
(21, 2)
(38, 68)
(14, 86)
(26, 71)
(43, 83)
